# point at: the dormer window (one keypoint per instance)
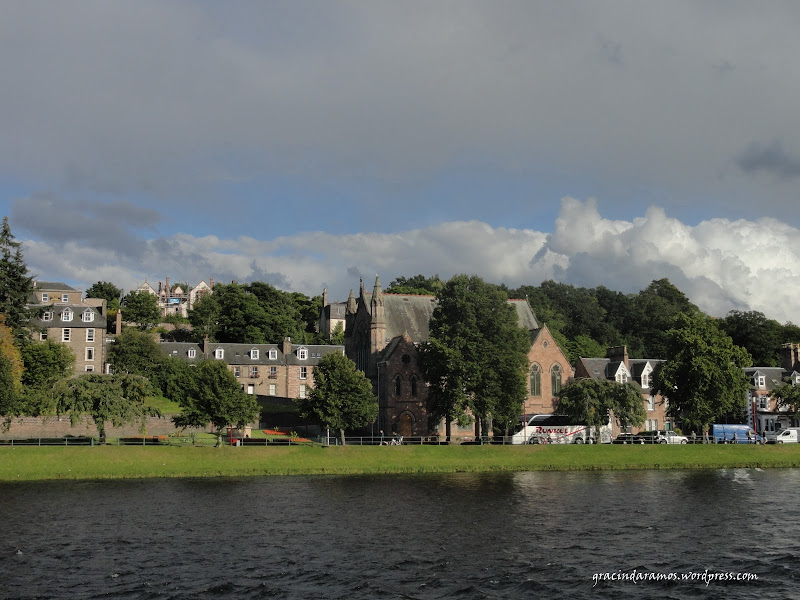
(254, 353)
(646, 380)
(48, 316)
(88, 315)
(273, 355)
(66, 315)
(192, 353)
(219, 353)
(302, 353)
(622, 377)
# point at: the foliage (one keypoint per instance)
(476, 356)
(16, 286)
(135, 352)
(118, 399)
(11, 369)
(416, 285)
(702, 377)
(255, 313)
(342, 395)
(216, 397)
(105, 290)
(761, 337)
(593, 401)
(141, 307)
(45, 363)
(788, 398)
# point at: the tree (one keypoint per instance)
(45, 363)
(762, 337)
(416, 285)
(593, 401)
(16, 286)
(105, 290)
(342, 395)
(118, 399)
(11, 369)
(788, 398)
(135, 352)
(702, 377)
(216, 397)
(141, 307)
(475, 358)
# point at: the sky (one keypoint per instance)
(310, 144)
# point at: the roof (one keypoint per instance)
(240, 354)
(53, 286)
(98, 320)
(773, 376)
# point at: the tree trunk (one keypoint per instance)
(447, 429)
(341, 433)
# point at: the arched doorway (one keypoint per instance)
(405, 424)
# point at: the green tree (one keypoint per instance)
(141, 307)
(11, 370)
(594, 401)
(762, 337)
(656, 309)
(416, 285)
(116, 399)
(135, 352)
(204, 316)
(788, 397)
(476, 355)
(342, 396)
(702, 377)
(45, 363)
(16, 286)
(105, 290)
(216, 397)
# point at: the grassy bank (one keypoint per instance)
(114, 462)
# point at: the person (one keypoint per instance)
(705, 436)
(735, 440)
(694, 440)
(383, 441)
(749, 437)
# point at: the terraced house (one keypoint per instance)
(67, 318)
(278, 370)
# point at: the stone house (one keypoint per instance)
(618, 366)
(175, 300)
(67, 318)
(764, 415)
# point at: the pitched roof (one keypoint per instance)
(53, 286)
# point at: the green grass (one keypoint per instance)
(21, 463)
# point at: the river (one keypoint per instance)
(523, 535)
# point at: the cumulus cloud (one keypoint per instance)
(720, 264)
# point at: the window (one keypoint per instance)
(192, 353)
(273, 355)
(398, 386)
(646, 379)
(763, 403)
(273, 389)
(273, 371)
(89, 368)
(64, 298)
(302, 390)
(90, 334)
(90, 353)
(237, 371)
(254, 372)
(414, 385)
(652, 425)
(254, 353)
(651, 403)
(555, 379)
(303, 372)
(622, 376)
(219, 353)
(762, 381)
(302, 353)
(45, 297)
(66, 315)
(88, 315)
(47, 316)
(42, 336)
(65, 334)
(536, 380)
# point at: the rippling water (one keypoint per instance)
(428, 536)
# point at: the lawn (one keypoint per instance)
(116, 462)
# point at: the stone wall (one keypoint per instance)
(34, 427)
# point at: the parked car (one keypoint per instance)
(790, 435)
(628, 438)
(663, 436)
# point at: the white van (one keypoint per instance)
(790, 435)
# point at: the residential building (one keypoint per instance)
(67, 318)
(176, 299)
(764, 415)
(331, 316)
(618, 366)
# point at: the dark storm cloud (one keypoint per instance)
(772, 158)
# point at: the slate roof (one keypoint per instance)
(53, 286)
(773, 376)
(77, 321)
(239, 354)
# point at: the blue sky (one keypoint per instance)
(312, 143)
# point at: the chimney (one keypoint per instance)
(789, 356)
(168, 290)
(118, 324)
(205, 346)
(211, 284)
(287, 346)
(619, 353)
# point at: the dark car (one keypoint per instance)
(628, 438)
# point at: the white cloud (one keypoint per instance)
(719, 264)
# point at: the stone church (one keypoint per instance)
(382, 332)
